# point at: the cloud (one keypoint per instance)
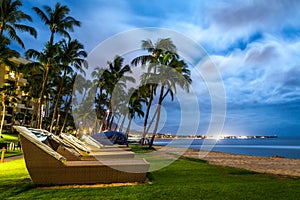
(254, 44)
(252, 14)
(264, 72)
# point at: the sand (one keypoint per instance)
(262, 164)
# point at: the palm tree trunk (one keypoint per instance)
(34, 111)
(128, 127)
(57, 122)
(161, 95)
(13, 118)
(57, 99)
(122, 123)
(24, 118)
(147, 113)
(116, 127)
(101, 126)
(1, 31)
(151, 121)
(45, 80)
(111, 121)
(51, 38)
(66, 114)
(3, 117)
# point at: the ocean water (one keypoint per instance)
(288, 148)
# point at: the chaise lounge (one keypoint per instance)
(73, 149)
(48, 167)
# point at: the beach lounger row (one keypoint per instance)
(51, 160)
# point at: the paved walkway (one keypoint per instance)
(13, 158)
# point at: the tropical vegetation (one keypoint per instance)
(53, 70)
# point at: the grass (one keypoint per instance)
(183, 179)
(135, 147)
(10, 137)
(11, 153)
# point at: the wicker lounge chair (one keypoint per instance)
(94, 145)
(73, 149)
(88, 153)
(48, 167)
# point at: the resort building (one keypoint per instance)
(16, 109)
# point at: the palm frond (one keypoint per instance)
(25, 28)
(41, 14)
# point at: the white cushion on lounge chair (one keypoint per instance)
(34, 139)
(76, 142)
(91, 141)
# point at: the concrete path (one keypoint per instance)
(13, 158)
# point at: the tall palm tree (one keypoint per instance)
(111, 80)
(155, 51)
(71, 57)
(135, 107)
(59, 22)
(123, 110)
(7, 91)
(69, 95)
(42, 59)
(8, 96)
(10, 18)
(69, 82)
(171, 72)
(6, 53)
(102, 99)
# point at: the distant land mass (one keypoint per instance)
(169, 135)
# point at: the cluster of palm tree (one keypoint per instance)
(52, 71)
(164, 71)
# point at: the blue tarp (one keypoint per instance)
(114, 137)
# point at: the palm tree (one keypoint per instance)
(111, 80)
(8, 97)
(59, 22)
(42, 59)
(171, 72)
(135, 107)
(6, 53)
(102, 95)
(7, 91)
(164, 68)
(123, 110)
(155, 50)
(10, 18)
(71, 56)
(69, 94)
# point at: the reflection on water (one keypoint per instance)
(289, 148)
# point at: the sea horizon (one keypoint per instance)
(282, 147)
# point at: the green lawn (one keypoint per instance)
(183, 179)
(8, 137)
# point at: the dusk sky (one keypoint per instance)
(255, 45)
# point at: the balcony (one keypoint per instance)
(20, 105)
(22, 80)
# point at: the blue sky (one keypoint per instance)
(255, 45)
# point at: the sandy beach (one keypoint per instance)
(272, 165)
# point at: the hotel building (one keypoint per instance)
(18, 109)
